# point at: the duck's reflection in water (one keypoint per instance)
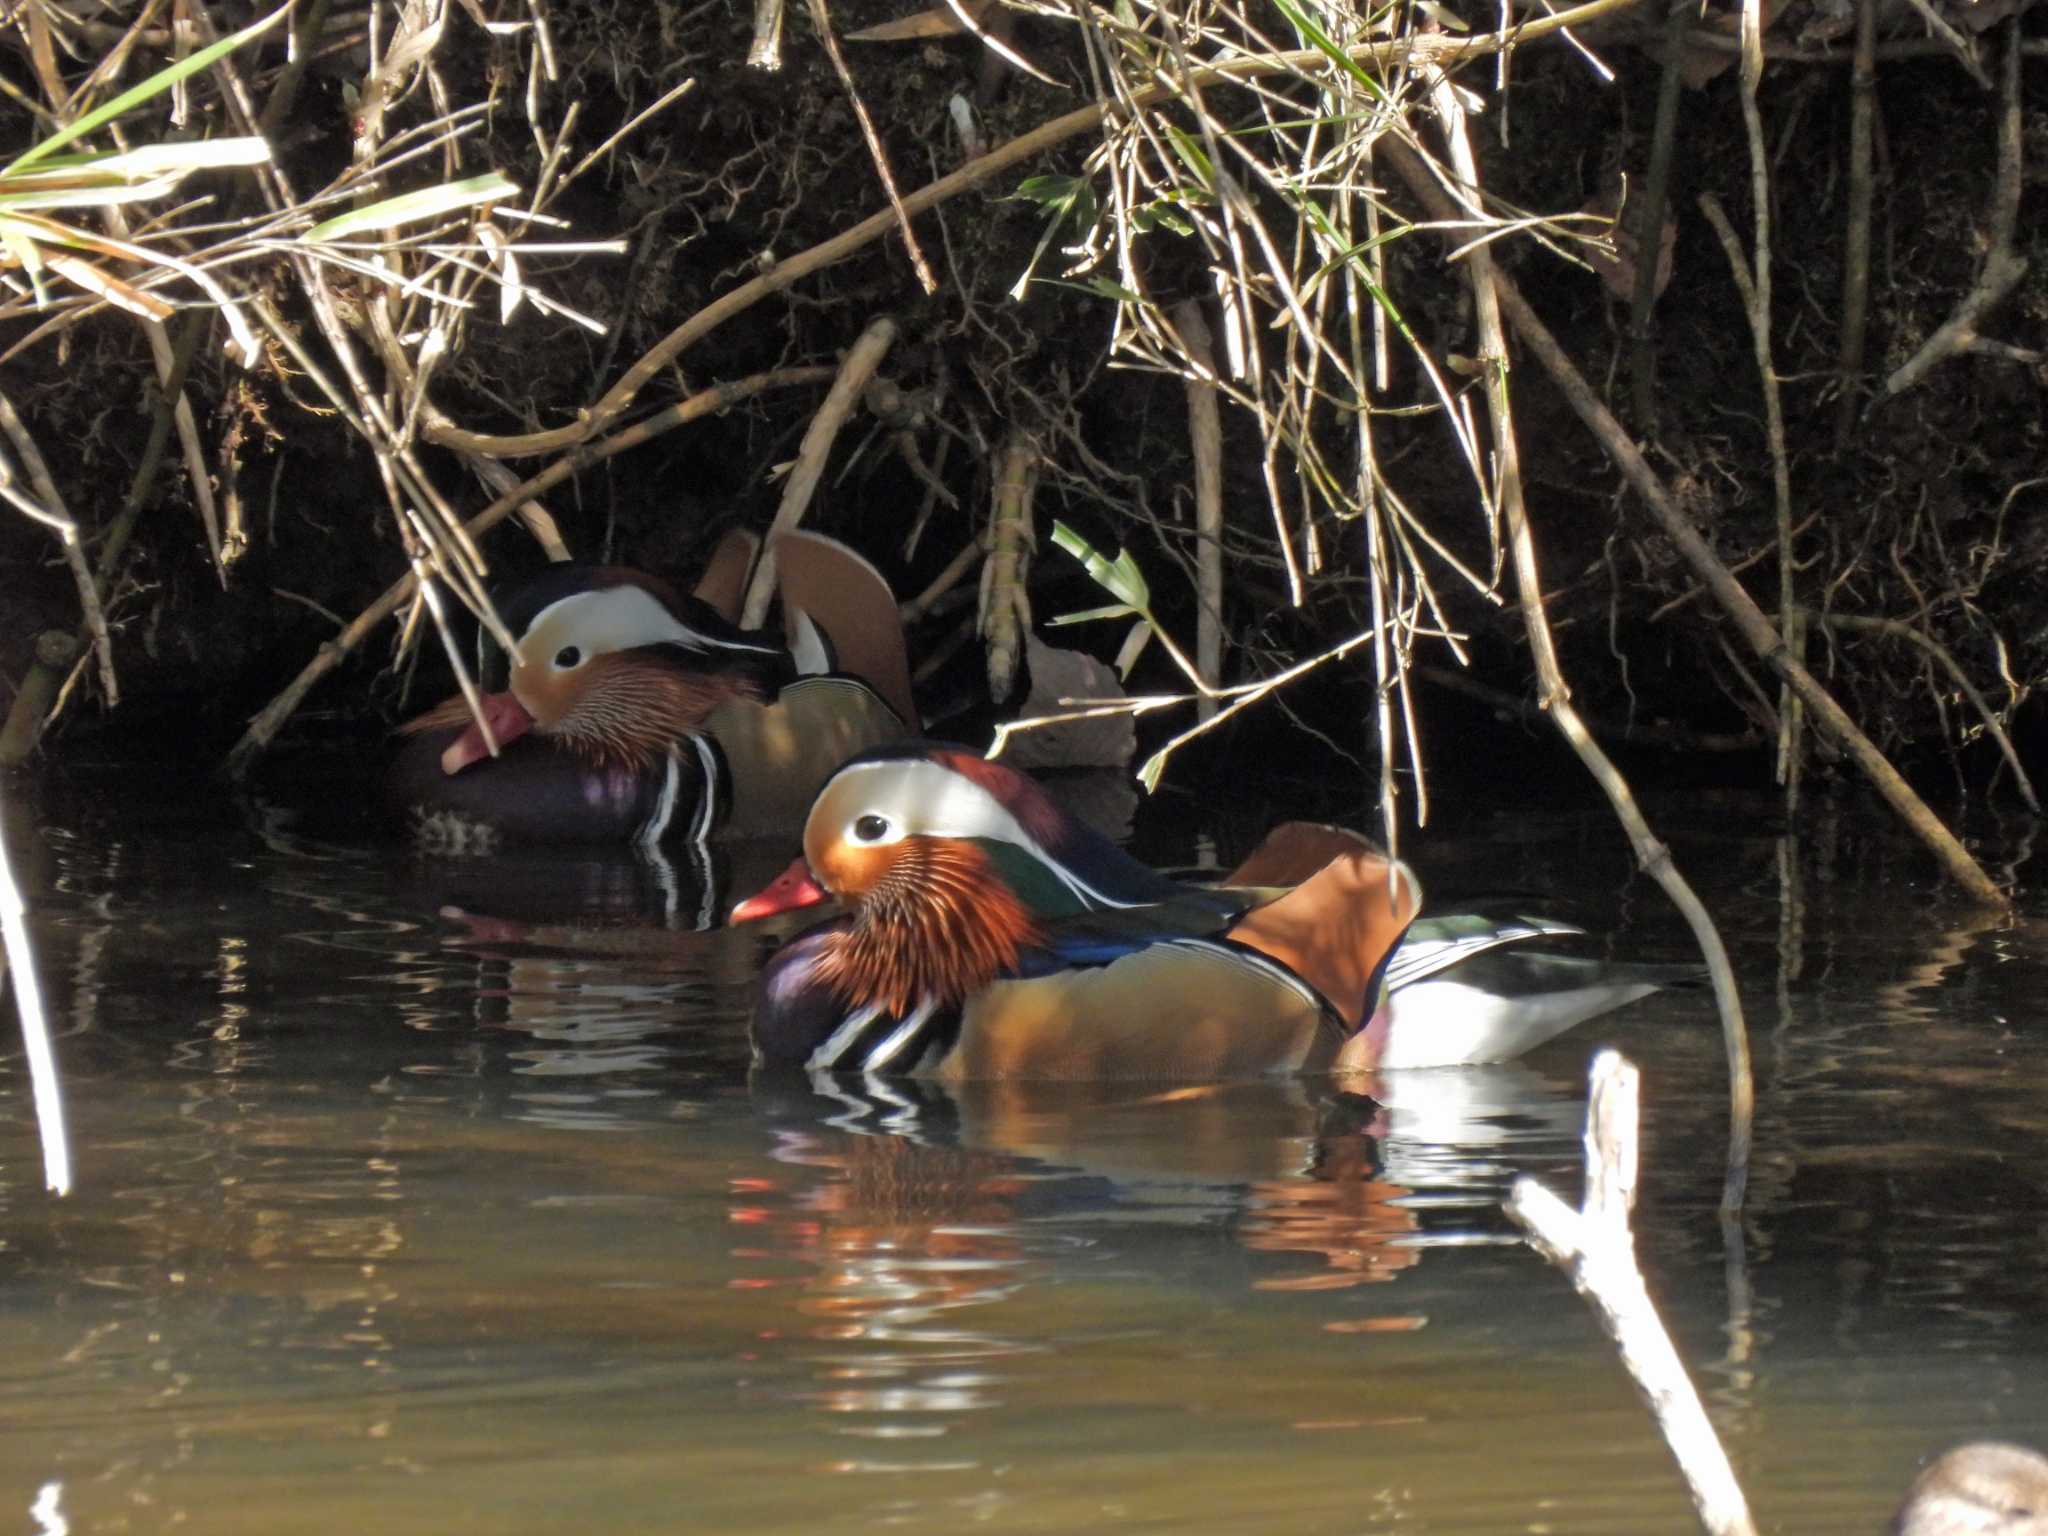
(916, 1210)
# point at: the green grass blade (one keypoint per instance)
(135, 96)
(412, 207)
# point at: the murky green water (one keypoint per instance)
(387, 1224)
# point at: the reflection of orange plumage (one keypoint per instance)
(1346, 1215)
(897, 1230)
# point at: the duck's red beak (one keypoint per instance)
(509, 721)
(791, 889)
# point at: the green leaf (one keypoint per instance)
(1120, 577)
(1105, 288)
(1160, 215)
(413, 207)
(1326, 45)
(1108, 611)
(1196, 158)
(1048, 190)
(135, 96)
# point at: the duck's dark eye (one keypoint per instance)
(871, 828)
(568, 656)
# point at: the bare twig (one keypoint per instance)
(2003, 268)
(1755, 288)
(1652, 854)
(1896, 630)
(862, 359)
(1205, 441)
(823, 19)
(47, 507)
(1856, 233)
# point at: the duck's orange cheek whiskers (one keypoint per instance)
(791, 889)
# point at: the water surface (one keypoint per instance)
(389, 1222)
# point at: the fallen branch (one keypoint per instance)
(1594, 1246)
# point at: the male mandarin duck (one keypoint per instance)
(634, 714)
(991, 935)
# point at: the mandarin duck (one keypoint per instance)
(634, 714)
(991, 935)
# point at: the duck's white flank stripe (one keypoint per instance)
(1252, 960)
(664, 803)
(826, 1056)
(901, 1036)
(707, 801)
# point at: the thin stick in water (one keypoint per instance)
(35, 1031)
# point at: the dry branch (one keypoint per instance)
(1431, 48)
(1205, 439)
(2003, 268)
(862, 359)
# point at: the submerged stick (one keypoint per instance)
(35, 1031)
(1595, 1248)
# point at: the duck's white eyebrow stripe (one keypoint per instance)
(622, 617)
(958, 807)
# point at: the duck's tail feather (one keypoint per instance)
(848, 601)
(723, 586)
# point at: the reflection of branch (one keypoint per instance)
(1593, 1245)
(1899, 630)
(2002, 269)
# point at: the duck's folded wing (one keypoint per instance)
(1435, 944)
(1190, 1009)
